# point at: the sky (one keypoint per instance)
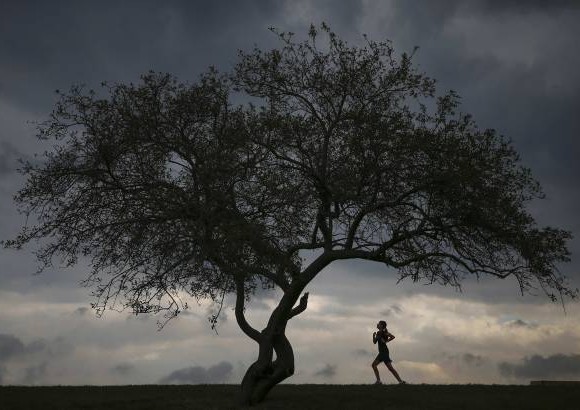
(515, 65)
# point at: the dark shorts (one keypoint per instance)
(383, 357)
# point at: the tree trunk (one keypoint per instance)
(265, 373)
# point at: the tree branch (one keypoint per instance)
(324, 228)
(239, 311)
(301, 306)
(304, 246)
(375, 207)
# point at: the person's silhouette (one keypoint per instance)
(382, 337)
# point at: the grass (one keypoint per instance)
(207, 397)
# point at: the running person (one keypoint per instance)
(382, 337)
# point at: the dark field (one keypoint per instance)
(334, 397)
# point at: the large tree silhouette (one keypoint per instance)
(169, 189)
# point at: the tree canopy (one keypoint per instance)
(170, 189)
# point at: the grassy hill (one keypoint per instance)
(409, 397)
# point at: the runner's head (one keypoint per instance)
(382, 325)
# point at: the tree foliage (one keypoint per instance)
(170, 189)
(427, 193)
(141, 183)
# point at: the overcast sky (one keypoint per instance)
(515, 64)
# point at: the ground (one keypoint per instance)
(207, 397)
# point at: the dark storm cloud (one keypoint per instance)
(515, 65)
(559, 365)
(199, 375)
(519, 7)
(9, 156)
(123, 369)
(300, 14)
(40, 351)
(328, 371)
(10, 346)
(429, 16)
(424, 18)
(463, 60)
(55, 44)
(523, 101)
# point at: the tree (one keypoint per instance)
(170, 189)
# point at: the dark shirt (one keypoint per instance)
(381, 337)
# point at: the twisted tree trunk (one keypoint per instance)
(265, 372)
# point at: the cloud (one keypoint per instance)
(32, 358)
(10, 347)
(8, 158)
(465, 360)
(124, 51)
(394, 309)
(519, 323)
(38, 345)
(49, 348)
(519, 7)
(199, 375)
(327, 371)
(558, 365)
(81, 311)
(35, 374)
(499, 57)
(362, 352)
(473, 359)
(123, 369)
